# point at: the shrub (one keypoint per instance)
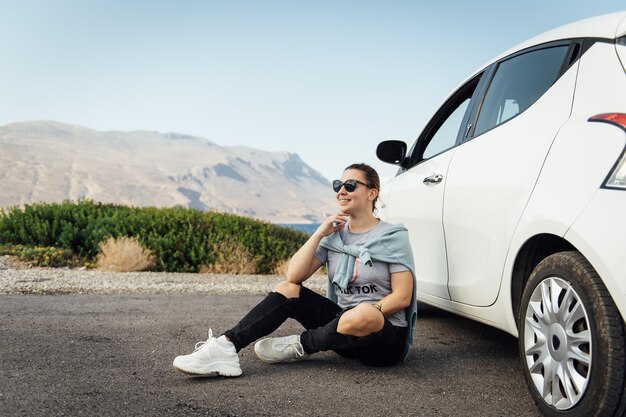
(230, 258)
(281, 268)
(181, 240)
(42, 256)
(124, 254)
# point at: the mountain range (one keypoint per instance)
(46, 161)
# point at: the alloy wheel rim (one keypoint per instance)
(557, 343)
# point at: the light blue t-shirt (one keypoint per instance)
(368, 283)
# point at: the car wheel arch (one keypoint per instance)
(531, 253)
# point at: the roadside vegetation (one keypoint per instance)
(124, 254)
(117, 237)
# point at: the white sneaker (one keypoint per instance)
(279, 349)
(209, 358)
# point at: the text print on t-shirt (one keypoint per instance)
(358, 289)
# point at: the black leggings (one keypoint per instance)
(320, 317)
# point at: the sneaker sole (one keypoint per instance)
(220, 368)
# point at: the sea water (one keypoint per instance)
(307, 228)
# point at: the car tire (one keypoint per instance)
(571, 339)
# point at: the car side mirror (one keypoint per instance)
(391, 151)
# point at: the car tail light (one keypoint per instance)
(617, 177)
(617, 119)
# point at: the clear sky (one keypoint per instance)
(325, 79)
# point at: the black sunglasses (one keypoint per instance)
(349, 185)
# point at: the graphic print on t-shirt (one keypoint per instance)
(356, 271)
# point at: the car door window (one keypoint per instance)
(447, 126)
(445, 137)
(519, 82)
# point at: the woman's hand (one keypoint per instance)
(332, 223)
(303, 263)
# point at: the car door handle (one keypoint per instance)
(433, 179)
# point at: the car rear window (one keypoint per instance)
(518, 83)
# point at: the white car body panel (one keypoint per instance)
(621, 48)
(425, 230)
(598, 79)
(621, 27)
(493, 191)
(602, 241)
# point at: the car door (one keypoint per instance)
(416, 196)
(492, 175)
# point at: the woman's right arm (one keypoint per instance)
(304, 263)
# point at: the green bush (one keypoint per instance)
(43, 256)
(181, 239)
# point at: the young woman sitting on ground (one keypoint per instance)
(370, 311)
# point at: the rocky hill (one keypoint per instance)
(46, 161)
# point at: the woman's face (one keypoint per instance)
(359, 200)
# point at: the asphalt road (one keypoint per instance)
(86, 355)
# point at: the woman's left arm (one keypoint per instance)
(401, 293)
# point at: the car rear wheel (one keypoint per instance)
(571, 339)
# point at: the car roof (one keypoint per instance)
(608, 26)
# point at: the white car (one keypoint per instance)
(514, 195)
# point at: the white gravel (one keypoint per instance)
(17, 280)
